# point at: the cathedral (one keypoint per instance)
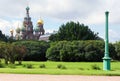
(27, 32)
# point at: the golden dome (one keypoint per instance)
(11, 30)
(40, 21)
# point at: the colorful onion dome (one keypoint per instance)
(36, 29)
(18, 30)
(40, 21)
(11, 30)
(27, 8)
(23, 29)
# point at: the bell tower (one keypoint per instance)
(28, 26)
(26, 31)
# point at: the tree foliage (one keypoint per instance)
(23, 50)
(20, 51)
(78, 51)
(117, 48)
(11, 52)
(74, 31)
(36, 50)
(2, 37)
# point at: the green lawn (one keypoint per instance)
(69, 68)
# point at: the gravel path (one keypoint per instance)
(31, 77)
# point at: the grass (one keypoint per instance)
(72, 68)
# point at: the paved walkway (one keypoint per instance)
(31, 77)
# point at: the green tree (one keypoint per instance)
(2, 49)
(74, 31)
(2, 37)
(11, 52)
(21, 52)
(78, 51)
(6, 52)
(36, 50)
(117, 48)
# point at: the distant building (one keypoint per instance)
(45, 37)
(26, 32)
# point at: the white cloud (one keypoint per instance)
(113, 35)
(84, 11)
(49, 30)
(59, 9)
(6, 26)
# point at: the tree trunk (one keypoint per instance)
(19, 62)
(6, 61)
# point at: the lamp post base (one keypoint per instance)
(106, 63)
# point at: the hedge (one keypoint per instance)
(90, 50)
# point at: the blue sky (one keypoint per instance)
(56, 12)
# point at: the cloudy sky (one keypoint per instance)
(56, 12)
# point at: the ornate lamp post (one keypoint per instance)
(106, 58)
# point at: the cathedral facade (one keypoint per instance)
(27, 32)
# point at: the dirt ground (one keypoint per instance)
(31, 77)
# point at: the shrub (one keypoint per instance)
(53, 52)
(42, 66)
(29, 66)
(95, 67)
(81, 68)
(75, 51)
(24, 65)
(117, 49)
(36, 50)
(60, 66)
(12, 66)
(2, 65)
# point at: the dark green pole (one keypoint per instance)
(106, 58)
